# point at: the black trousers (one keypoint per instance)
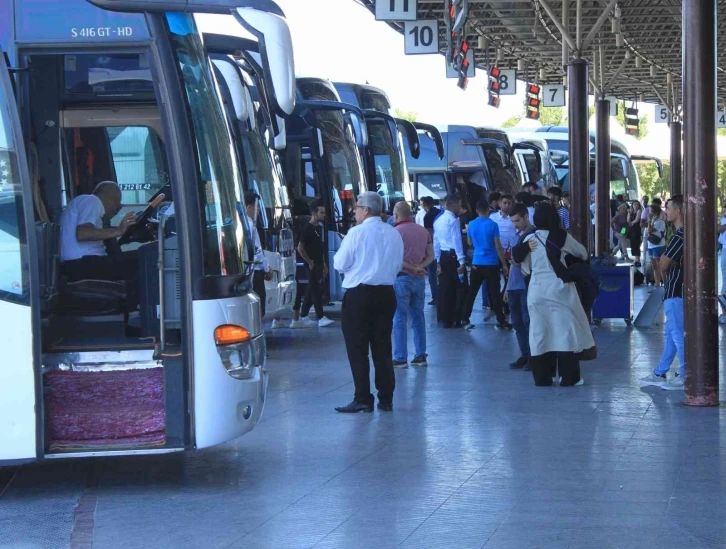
(448, 287)
(121, 266)
(314, 292)
(490, 274)
(544, 368)
(367, 324)
(258, 286)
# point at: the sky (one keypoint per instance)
(357, 48)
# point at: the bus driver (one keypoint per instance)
(83, 253)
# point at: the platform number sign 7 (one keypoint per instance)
(421, 37)
(396, 10)
(553, 95)
(721, 119)
(508, 82)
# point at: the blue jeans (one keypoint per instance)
(484, 295)
(410, 299)
(519, 315)
(674, 337)
(433, 280)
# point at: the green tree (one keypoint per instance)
(652, 185)
(511, 121)
(411, 116)
(643, 127)
(548, 116)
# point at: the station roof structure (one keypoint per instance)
(524, 30)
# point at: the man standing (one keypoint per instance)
(671, 263)
(449, 253)
(311, 250)
(507, 233)
(517, 290)
(555, 196)
(432, 212)
(488, 257)
(410, 287)
(370, 257)
(420, 214)
(262, 269)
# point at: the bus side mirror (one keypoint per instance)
(360, 131)
(280, 141)
(626, 167)
(275, 45)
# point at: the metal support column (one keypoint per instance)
(577, 81)
(699, 259)
(602, 178)
(676, 166)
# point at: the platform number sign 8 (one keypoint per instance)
(421, 37)
(553, 95)
(508, 82)
(396, 10)
(721, 119)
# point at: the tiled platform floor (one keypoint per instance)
(473, 456)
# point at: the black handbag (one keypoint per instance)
(654, 239)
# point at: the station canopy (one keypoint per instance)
(521, 33)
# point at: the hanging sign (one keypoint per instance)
(662, 115)
(396, 10)
(452, 73)
(508, 82)
(421, 37)
(721, 119)
(553, 95)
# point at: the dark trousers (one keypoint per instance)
(121, 267)
(314, 293)
(258, 286)
(490, 275)
(367, 318)
(520, 318)
(544, 368)
(433, 280)
(448, 286)
(462, 298)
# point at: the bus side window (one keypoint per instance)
(311, 185)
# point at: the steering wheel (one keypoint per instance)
(139, 232)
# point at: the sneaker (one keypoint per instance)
(298, 324)
(276, 324)
(521, 362)
(504, 326)
(556, 379)
(653, 379)
(419, 361)
(581, 382)
(401, 364)
(307, 322)
(325, 321)
(675, 384)
(468, 326)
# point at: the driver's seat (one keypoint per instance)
(92, 297)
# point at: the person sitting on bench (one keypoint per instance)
(83, 252)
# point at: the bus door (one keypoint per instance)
(20, 426)
(529, 162)
(498, 156)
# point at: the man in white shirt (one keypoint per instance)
(262, 269)
(421, 213)
(370, 258)
(450, 259)
(507, 230)
(83, 252)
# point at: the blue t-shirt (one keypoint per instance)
(482, 232)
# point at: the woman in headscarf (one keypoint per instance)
(559, 329)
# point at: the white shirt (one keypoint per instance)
(371, 253)
(447, 236)
(259, 252)
(507, 230)
(420, 214)
(82, 210)
(660, 227)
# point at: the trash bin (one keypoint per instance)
(615, 299)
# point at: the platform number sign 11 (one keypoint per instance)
(508, 82)
(553, 95)
(396, 10)
(421, 37)
(721, 119)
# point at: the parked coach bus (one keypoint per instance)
(83, 375)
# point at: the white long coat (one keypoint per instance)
(557, 320)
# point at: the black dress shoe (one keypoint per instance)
(385, 407)
(354, 407)
(521, 362)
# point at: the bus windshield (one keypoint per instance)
(224, 233)
(342, 163)
(390, 164)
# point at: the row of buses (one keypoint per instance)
(186, 122)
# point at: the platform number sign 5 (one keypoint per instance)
(553, 95)
(721, 119)
(396, 10)
(421, 37)
(662, 116)
(508, 82)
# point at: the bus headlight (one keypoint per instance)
(242, 356)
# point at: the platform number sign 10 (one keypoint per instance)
(396, 10)
(721, 119)
(421, 37)
(662, 116)
(553, 95)
(508, 82)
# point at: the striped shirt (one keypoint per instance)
(564, 217)
(674, 276)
